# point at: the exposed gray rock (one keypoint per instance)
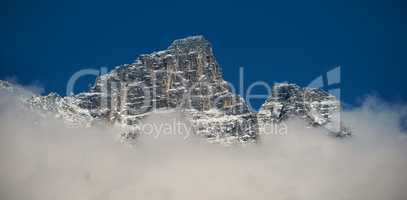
(316, 106)
(185, 77)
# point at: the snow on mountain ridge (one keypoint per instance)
(185, 77)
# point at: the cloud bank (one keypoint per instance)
(43, 159)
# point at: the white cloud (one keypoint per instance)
(46, 160)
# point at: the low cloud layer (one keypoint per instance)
(44, 159)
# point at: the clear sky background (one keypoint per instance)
(46, 41)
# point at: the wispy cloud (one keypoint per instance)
(44, 159)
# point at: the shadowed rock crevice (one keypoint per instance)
(185, 78)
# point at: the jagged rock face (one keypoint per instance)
(316, 106)
(62, 108)
(185, 77)
(51, 104)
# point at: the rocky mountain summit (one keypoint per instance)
(315, 106)
(186, 78)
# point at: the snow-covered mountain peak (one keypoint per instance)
(186, 77)
(191, 43)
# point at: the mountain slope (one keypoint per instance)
(185, 78)
(315, 106)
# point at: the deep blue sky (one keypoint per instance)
(295, 41)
